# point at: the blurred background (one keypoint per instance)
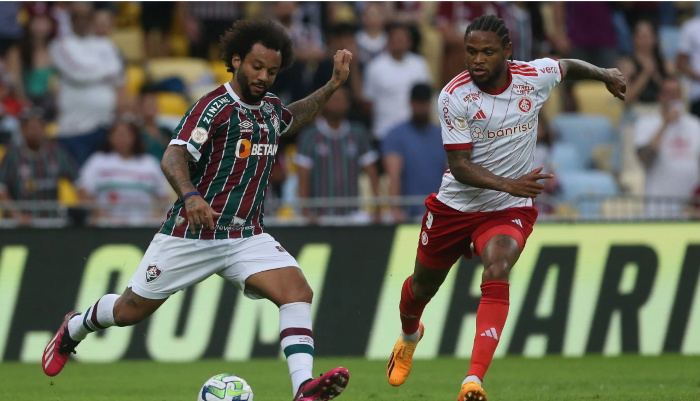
(90, 94)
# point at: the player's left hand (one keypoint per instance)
(341, 67)
(616, 83)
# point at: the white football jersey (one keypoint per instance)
(500, 127)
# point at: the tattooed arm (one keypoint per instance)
(174, 166)
(474, 175)
(305, 110)
(613, 79)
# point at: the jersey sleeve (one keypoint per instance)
(453, 121)
(549, 73)
(286, 120)
(197, 126)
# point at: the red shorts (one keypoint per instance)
(446, 234)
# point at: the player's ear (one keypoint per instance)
(236, 61)
(509, 50)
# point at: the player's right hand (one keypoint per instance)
(526, 186)
(199, 213)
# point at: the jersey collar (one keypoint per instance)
(502, 88)
(238, 100)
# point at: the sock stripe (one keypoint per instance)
(85, 322)
(93, 317)
(295, 331)
(298, 349)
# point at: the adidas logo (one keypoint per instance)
(479, 116)
(518, 222)
(490, 333)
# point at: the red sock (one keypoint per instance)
(411, 310)
(490, 319)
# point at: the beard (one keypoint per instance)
(248, 95)
(498, 70)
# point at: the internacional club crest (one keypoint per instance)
(152, 273)
(525, 104)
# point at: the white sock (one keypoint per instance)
(411, 338)
(98, 317)
(472, 378)
(297, 341)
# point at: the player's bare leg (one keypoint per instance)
(288, 289)
(499, 255)
(110, 310)
(417, 291)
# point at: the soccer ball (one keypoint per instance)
(225, 387)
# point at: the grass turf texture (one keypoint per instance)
(514, 379)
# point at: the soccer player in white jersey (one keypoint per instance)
(489, 129)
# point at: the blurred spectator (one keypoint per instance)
(102, 22)
(371, 39)
(586, 31)
(295, 82)
(452, 19)
(126, 184)
(668, 144)
(389, 78)
(689, 59)
(645, 70)
(154, 135)
(205, 22)
(31, 169)
(90, 71)
(10, 34)
(37, 71)
(308, 40)
(342, 36)
(156, 20)
(414, 159)
(331, 155)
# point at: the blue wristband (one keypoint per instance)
(187, 195)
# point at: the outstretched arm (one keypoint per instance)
(474, 175)
(578, 69)
(305, 110)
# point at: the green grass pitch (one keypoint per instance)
(513, 379)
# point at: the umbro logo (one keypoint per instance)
(518, 222)
(490, 333)
(479, 116)
(245, 126)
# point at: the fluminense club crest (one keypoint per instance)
(152, 273)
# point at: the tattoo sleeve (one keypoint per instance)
(472, 174)
(578, 69)
(306, 109)
(174, 166)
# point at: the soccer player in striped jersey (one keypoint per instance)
(489, 129)
(219, 163)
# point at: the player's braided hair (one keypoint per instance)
(244, 34)
(490, 23)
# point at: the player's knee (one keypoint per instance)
(496, 271)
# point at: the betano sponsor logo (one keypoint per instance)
(245, 149)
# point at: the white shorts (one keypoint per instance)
(172, 264)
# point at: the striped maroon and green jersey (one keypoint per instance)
(234, 146)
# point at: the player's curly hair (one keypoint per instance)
(244, 34)
(490, 23)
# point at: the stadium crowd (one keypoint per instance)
(91, 92)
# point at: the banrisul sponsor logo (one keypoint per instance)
(214, 108)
